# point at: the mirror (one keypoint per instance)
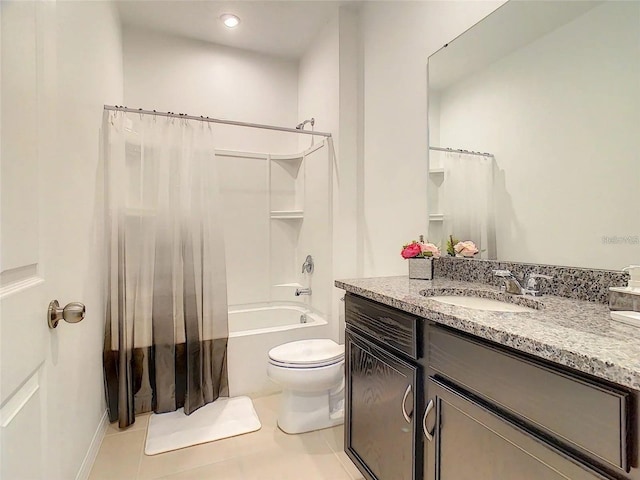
(551, 91)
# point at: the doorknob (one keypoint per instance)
(72, 313)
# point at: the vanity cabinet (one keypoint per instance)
(383, 391)
(429, 402)
(499, 414)
(473, 442)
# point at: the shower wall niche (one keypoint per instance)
(276, 211)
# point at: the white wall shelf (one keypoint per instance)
(287, 214)
(436, 171)
(296, 157)
(436, 217)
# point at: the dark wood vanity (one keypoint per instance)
(425, 401)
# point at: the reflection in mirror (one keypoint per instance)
(551, 92)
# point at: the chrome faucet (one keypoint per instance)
(512, 284)
(307, 266)
(303, 291)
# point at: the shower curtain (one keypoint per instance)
(166, 315)
(468, 201)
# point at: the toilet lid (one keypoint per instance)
(308, 353)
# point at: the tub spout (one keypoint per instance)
(303, 291)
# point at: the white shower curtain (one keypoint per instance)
(166, 321)
(468, 201)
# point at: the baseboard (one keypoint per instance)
(92, 453)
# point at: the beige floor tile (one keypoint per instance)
(155, 466)
(348, 465)
(278, 464)
(334, 437)
(119, 456)
(266, 454)
(228, 470)
(271, 437)
(267, 409)
(140, 424)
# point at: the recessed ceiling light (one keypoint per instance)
(230, 20)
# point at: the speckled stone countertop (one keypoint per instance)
(574, 333)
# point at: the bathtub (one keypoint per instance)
(254, 330)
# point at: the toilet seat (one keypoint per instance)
(307, 354)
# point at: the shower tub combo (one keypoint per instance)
(254, 330)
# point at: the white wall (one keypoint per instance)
(395, 118)
(560, 117)
(89, 74)
(170, 73)
(319, 97)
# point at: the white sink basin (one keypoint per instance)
(479, 303)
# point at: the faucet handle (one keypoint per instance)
(531, 279)
(503, 273)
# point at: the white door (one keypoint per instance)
(24, 336)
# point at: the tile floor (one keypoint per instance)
(268, 454)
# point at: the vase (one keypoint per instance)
(421, 268)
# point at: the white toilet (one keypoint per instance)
(311, 374)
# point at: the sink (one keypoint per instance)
(480, 303)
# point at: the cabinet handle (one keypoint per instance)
(406, 416)
(424, 421)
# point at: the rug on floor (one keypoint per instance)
(226, 417)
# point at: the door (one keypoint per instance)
(471, 442)
(23, 329)
(381, 395)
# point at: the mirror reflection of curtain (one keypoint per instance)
(468, 201)
(166, 323)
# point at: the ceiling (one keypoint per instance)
(281, 28)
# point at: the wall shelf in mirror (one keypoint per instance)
(287, 214)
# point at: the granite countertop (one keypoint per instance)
(574, 333)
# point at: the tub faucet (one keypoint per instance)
(307, 266)
(303, 291)
(512, 284)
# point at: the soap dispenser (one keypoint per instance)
(624, 302)
(634, 276)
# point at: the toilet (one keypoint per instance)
(311, 374)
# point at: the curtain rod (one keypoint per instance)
(213, 120)
(457, 150)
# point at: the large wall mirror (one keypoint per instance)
(545, 97)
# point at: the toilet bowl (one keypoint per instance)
(311, 374)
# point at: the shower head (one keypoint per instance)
(301, 125)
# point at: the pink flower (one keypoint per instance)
(430, 250)
(411, 250)
(466, 249)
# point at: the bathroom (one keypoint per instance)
(357, 68)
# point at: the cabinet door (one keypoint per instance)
(471, 442)
(381, 397)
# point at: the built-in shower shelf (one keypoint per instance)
(289, 285)
(436, 217)
(436, 171)
(296, 157)
(287, 214)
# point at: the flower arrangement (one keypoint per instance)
(456, 248)
(420, 249)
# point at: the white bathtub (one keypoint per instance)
(253, 331)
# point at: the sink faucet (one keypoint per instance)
(303, 291)
(512, 284)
